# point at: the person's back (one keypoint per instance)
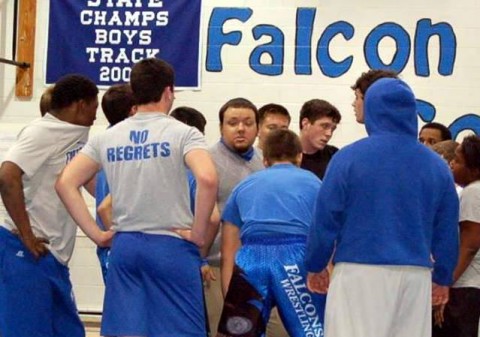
(266, 221)
(396, 191)
(150, 148)
(388, 208)
(145, 160)
(283, 204)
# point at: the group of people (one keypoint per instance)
(291, 237)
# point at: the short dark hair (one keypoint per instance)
(446, 148)
(149, 78)
(238, 102)
(272, 109)
(445, 132)
(70, 89)
(368, 78)
(318, 108)
(281, 145)
(46, 101)
(117, 102)
(190, 116)
(470, 149)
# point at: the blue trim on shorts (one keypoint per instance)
(280, 239)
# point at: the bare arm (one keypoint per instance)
(90, 186)
(230, 244)
(76, 174)
(469, 245)
(212, 231)
(11, 189)
(203, 169)
(105, 211)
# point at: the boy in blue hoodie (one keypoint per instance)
(387, 205)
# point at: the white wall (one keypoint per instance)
(453, 95)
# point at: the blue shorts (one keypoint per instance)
(268, 273)
(154, 288)
(36, 295)
(103, 254)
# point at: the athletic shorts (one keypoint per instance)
(154, 288)
(36, 295)
(271, 272)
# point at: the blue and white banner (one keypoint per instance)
(102, 39)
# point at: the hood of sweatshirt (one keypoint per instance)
(390, 109)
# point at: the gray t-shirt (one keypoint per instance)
(231, 169)
(143, 159)
(470, 211)
(42, 150)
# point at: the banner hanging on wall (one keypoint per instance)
(102, 39)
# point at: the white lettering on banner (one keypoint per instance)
(112, 56)
(116, 18)
(114, 36)
(131, 25)
(116, 3)
(302, 302)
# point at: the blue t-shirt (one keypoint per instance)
(276, 200)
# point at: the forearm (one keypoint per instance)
(203, 230)
(76, 206)
(465, 258)
(212, 231)
(230, 245)
(11, 189)
(105, 212)
(227, 263)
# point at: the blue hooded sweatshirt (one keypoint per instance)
(387, 199)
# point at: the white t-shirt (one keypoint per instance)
(470, 211)
(42, 150)
(143, 159)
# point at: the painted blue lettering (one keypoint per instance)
(447, 42)
(274, 50)
(165, 146)
(465, 122)
(425, 110)
(217, 38)
(303, 41)
(328, 66)
(403, 46)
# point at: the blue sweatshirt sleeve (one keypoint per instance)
(328, 219)
(445, 240)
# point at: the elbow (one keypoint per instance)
(208, 181)
(60, 187)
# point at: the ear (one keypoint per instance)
(266, 163)
(298, 159)
(305, 122)
(133, 111)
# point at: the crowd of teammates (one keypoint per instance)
(236, 239)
